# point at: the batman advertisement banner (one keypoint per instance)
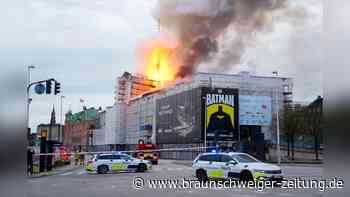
(220, 106)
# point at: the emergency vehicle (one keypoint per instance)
(234, 165)
(119, 162)
(147, 152)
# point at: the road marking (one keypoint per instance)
(33, 181)
(286, 194)
(65, 174)
(81, 172)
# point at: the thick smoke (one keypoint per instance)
(211, 30)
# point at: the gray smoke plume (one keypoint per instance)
(199, 24)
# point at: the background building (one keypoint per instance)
(178, 114)
(140, 117)
(181, 105)
(128, 86)
(53, 131)
(78, 128)
(110, 133)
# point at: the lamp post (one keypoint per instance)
(27, 95)
(277, 124)
(205, 124)
(61, 117)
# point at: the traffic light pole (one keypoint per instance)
(28, 99)
(27, 95)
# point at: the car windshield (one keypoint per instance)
(244, 158)
(126, 157)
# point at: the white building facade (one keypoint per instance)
(273, 90)
(111, 131)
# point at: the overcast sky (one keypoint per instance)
(86, 44)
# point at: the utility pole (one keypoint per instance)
(277, 124)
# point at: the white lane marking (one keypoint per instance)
(286, 194)
(33, 181)
(67, 173)
(171, 168)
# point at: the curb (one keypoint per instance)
(55, 173)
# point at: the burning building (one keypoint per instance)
(212, 108)
(175, 105)
(128, 86)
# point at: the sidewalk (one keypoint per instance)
(56, 171)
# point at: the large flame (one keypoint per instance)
(158, 61)
(160, 67)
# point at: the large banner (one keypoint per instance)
(178, 118)
(255, 110)
(220, 114)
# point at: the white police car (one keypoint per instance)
(105, 163)
(235, 165)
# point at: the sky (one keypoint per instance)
(87, 44)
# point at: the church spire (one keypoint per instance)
(53, 116)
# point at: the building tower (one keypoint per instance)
(53, 117)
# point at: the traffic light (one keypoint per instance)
(57, 87)
(48, 86)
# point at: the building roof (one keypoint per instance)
(240, 74)
(87, 114)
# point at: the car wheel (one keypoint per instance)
(201, 175)
(102, 169)
(246, 176)
(142, 167)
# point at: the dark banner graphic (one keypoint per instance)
(220, 107)
(178, 118)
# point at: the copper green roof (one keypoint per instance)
(88, 114)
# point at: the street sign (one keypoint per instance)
(44, 133)
(39, 88)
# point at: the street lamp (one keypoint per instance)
(205, 124)
(61, 117)
(27, 95)
(277, 124)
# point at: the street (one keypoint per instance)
(80, 183)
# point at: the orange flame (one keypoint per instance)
(158, 61)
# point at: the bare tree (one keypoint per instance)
(314, 123)
(294, 124)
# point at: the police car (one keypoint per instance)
(235, 165)
(105, 163)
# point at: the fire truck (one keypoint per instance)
(147, 152)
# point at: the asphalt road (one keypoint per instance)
(80, 183)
